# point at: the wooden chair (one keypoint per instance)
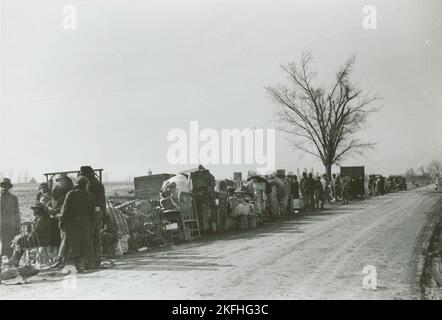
(42, 255)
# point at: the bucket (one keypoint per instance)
(252, 221)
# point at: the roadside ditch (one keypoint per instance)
(430, 275)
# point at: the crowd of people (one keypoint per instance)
(314, 192)
(72, 222)
(379, 185)
(67, 219)
(376, 185)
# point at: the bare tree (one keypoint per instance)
(434, 169)
(410, 173)
(423, 171)
(322, 121)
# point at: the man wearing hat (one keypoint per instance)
(40, 236)
(97, 189)
(319, 194)
(77, 214)
(9, 217)
(311, 190)
(305, 189)
(295, 193)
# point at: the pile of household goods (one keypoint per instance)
(137, 221)
(170, 208)
(270, 195)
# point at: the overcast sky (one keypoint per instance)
(107, 93)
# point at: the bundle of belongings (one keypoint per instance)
(119, 245)
(132, 219)
(222, 186)
(240, 210)
(171, 189)
(202, 186)
(239, 206)
(195, 184)
(261, 190)
(195, 180)
(278, 195)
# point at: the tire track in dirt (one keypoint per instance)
(329, 269)
(335, 264)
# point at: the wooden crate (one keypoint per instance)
(150, 186)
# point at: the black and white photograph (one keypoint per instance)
(221, 150)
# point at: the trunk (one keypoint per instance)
(328, 170)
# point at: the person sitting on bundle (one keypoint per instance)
(40, 236)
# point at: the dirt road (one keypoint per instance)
(319, 256)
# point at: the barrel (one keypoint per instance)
(64, 184)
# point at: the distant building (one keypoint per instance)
(32, 181)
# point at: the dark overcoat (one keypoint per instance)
(9, 222)
(319, 190)
(97, 189)
(295, 189)
(304, 187)
(76, 218)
